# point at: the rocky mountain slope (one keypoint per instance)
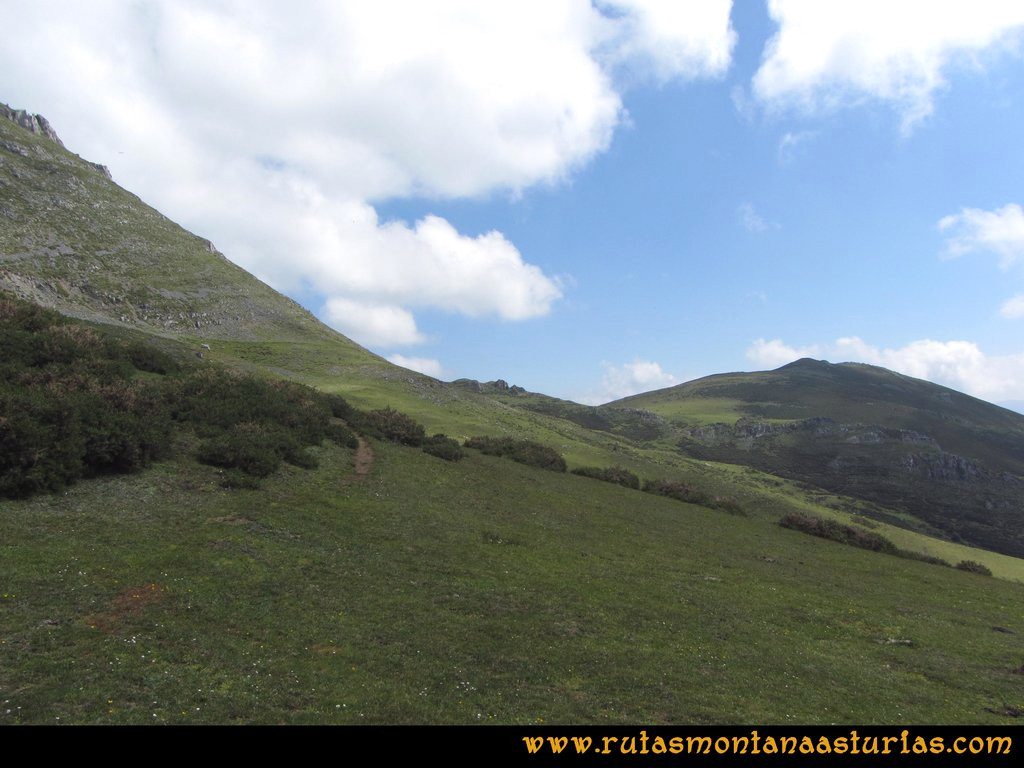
(950, 460)
(74, 241)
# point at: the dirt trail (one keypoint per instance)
(364, 458)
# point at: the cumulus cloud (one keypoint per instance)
(1013, 308)
(672, 39)
(629, 379)
(828, 54)
(1000, 231)
(426, 365)
(960, 365)
(372, 324)
(275, 130)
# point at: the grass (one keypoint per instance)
(504, 594)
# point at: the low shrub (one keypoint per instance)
(679, 491)
(616, 475)
(340, 434)
(147, 358)
(339, 406)
(392, 425)
(524, 451)
(253, 448)
(930, 559)
(973, 566)
(443, 447)
(845, 534)
(41, 443)
(683, 492)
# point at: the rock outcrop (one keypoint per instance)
(37, 124)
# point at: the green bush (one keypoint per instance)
(41, 443)
(524, 451)
(70, 408)
(972, 566)
(148, 358)
(687, 493)
(616, 475)
(341, 435)
(393, 425)
(339, 406)
(930, 559)
(443, 447)
(251, 448)
(678, 491)
(845, 534)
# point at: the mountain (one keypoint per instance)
(75, 241)
(383, 584)
(950, 460)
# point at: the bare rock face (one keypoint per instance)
(37, 124)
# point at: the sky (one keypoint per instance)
(586, 199)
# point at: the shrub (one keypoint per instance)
(41, 443)
(340, 434)
(683, 492)
(931, 559)
(443, 447)
(679, 491)
(339, 406)
(234, 478)
(393, 425)
(524, 451)
(845, 534)
(616, 475)
(252, 448)
(973, 566)
(148, 358)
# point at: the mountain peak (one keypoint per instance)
(36, 124)
(805, 362)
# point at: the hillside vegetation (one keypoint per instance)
(240, 516)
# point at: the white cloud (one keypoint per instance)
(773, 353)
(273, 129)
(629, 379)
(1000, 231)
(960, 365)
(672, 38)
(828, 54)
(791, 144)
(425, 365)
(372, 324)
(1013, 308)
(752, 221)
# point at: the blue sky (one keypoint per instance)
(585, 200)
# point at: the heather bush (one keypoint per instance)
(392, 425)
(443, 447)
(524, 451)
(252, 448)
(340, 434)
(831, 529)
(972, 566)
(616, 475)
(683, 492)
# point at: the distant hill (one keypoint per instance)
(948, 459)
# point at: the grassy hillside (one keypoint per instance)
(481, 591)
(383, 584)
